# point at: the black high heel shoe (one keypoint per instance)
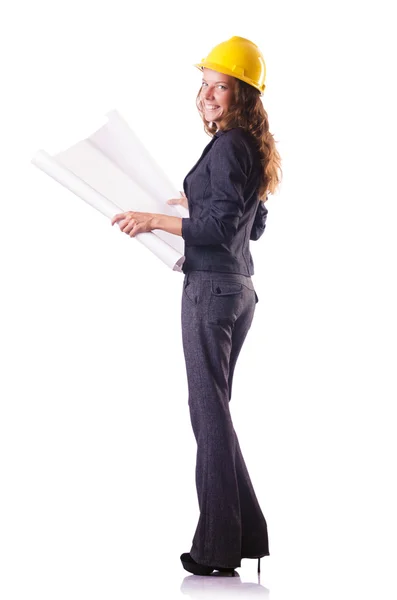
(190, 565)
(259, 560)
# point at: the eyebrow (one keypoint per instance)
(217, 81)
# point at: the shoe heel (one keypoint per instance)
(259, 565)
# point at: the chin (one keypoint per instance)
(213, 118)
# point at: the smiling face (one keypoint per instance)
(216, 94)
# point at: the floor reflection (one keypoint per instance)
(219, 585)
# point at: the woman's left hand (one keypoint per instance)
(131, 222)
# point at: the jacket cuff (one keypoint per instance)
(259, 223)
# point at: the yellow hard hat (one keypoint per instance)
(239, 58)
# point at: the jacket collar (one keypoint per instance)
(205, 151)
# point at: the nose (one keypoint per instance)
(208, 92)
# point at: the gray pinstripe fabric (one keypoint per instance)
(224, 210)
(217, 312)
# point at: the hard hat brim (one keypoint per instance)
(227, 71)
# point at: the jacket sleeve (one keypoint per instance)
(259, 224)
(230, 166)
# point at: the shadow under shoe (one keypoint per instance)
(189, 564)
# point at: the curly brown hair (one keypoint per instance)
(247, 111)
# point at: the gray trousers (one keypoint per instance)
(217, 312)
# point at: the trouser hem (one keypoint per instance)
(214, 562)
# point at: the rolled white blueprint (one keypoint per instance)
(90, 163)
(119, 143)
(168, 254)
(112, 171)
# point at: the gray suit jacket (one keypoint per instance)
(224, 210)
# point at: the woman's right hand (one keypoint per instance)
(182, 200)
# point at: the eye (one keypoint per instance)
(223, 86)
(203, 84)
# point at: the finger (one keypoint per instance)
(136, 229)
(173, 201)
(130, 225)
(142, 227)
(117, 217)
(125, 215)
(123, 224)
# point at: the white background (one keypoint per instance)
(98, 494)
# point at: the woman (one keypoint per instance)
(225, 192)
